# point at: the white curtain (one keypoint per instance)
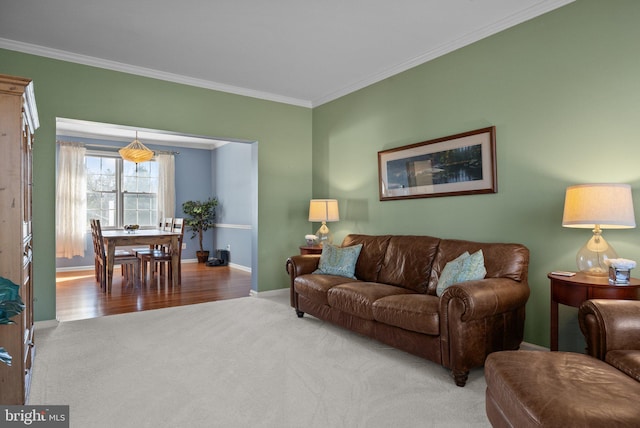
(166, 185)
(71, 201)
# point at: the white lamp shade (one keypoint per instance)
(323, 210)
(609, 206)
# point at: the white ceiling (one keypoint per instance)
(301, 52)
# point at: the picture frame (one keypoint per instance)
(460, 164)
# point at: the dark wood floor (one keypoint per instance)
(79, 297)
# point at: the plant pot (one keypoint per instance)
(202, 256)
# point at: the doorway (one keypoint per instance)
(236, 227)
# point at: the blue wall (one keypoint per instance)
(233, 184)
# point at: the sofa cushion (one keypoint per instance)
(408, 261)
(339, 261)
(371, 256)
(627, 361)
(500, 260)
(315, 287)
(356, 298)
(450, 273)
(472, 268)
(464, 268)
(413, 312)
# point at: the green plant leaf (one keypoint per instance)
(200, 216)
(10, 302)
(4, 356)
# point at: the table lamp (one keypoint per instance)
(598, 206)
(324, 210)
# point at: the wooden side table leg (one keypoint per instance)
(554, 326)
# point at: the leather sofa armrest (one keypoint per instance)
(610, 325)
(300, 265)
(486, 297)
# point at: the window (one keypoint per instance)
(120, 192)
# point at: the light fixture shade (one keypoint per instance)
(136, 152)
(323, 210)
(598, 206)
(608, 205)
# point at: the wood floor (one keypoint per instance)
(78, 296)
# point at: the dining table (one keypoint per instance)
(152, 237)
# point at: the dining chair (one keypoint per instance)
(156, 259)
(128, 261)
(167, 224)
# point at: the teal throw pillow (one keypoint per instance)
(464, 268)
(472, 268)
(450, 272)
(340, 261)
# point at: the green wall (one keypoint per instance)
(563, 91)
(75, 91)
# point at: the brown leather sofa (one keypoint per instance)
(394, 298)
(568, 389)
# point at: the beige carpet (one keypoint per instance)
(247, 362)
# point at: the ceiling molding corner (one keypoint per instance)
(146, 72)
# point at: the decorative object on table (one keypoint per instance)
(598, 206)
(461, 164)
(311, 240)
(136, 152)
(131, 228)
(200, 216)
(10, 305)
(323, 210)
(620, 270)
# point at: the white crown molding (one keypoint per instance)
(540, 8)
(146, 72)
(511, 21)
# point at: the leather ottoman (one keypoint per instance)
(558, 389)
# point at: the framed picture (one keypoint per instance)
(462, 164)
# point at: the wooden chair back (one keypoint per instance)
(167, 224)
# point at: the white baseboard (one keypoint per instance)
(45, 324)
(74, 268)
(270, 293)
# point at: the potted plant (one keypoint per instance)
(199, 217)
(10, 305)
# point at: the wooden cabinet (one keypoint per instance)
(18, 121)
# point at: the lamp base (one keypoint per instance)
(324, 235)
(591, 258)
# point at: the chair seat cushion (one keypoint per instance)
(413, 312)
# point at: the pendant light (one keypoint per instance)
(136, 152)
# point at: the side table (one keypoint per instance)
(313, 249)
(573, 290)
